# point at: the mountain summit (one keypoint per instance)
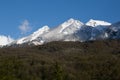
(95, 23)
(72, 30)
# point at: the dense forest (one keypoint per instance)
(94, 60)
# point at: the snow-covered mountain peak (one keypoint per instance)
(71, 22)
(95, 23)
(34, 36)
(42, 30)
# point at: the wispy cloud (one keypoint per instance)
(25, 27)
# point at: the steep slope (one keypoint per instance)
(64, 31)
(99, 29)
(33, 38)
(4, 40)
(114, 31)
(84, 33)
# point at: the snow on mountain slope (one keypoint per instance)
(34, 36)
(4, 40)
(63, 31)
(95, 23)
(73, 30)
(71, 22)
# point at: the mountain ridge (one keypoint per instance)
(72, 30)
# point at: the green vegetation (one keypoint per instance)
(99, 60)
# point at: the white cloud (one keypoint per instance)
(4, 40)
(25, 27)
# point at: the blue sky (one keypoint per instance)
(14, 14)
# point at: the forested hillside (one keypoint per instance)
(95, 60)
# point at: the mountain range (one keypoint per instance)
(70, 30)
